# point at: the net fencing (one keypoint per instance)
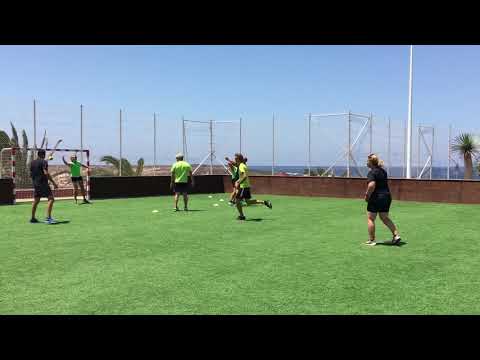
(206, 144)
(148, 143)
(339, 144)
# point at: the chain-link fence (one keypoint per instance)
(321, 144)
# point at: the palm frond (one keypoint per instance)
(25, 141)
(44, 139)
(139, 169)
(465, 144)
(111, 160)
(14, 136)
(127, 169)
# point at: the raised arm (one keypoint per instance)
(66, 163)
(230, 163)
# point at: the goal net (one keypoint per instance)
(15, 164)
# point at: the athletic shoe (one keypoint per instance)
(396, 239)
(50, 221)
(176, 209)
(241, 218)
(370, 243)
(34, 221)
(86, 202)
(268, 204)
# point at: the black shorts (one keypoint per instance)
(180, 188)
(77, 179)
(244, 194)
(42, 191)
(379, 203)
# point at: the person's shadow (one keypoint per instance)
(61, 222)
(389, 243)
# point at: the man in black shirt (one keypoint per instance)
(379, 199)
(40, 177)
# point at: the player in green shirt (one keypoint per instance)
(234, 170)
(243, 188)
(181, 173)
(76, 175)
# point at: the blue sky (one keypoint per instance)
(228, 82)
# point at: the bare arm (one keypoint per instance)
(84, 166)
(66, 163)
(49, 177)
(191, 177)
(370, 190)
(172, 180)
(229, 162)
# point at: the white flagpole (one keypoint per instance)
(409, 123)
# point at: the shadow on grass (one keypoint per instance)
(191, 210)
(61, 222)
(256, 220)
(389, 243)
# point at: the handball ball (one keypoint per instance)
(50, 157)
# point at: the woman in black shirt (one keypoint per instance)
(379, 199)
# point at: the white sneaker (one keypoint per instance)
(50, 221)
(370, 243)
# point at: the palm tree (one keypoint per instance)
(127, 169)
(467, 146)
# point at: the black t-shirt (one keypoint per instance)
(36, 171)
(380, 177)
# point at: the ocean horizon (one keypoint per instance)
(438, 172)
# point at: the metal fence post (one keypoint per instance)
(389, 146)
(240, 135)
(371, 132)
(273, 144)
(309, 144)
(120, 134)
(431, 155)
(349, 154)
(81, 133)
(154, 144)
(211, 147)
(449, 150)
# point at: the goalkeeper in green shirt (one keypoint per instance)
(76, 175)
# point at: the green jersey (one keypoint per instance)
(181, 169)
(234, 173)
(76, 169)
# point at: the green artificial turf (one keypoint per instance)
(303, 257)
